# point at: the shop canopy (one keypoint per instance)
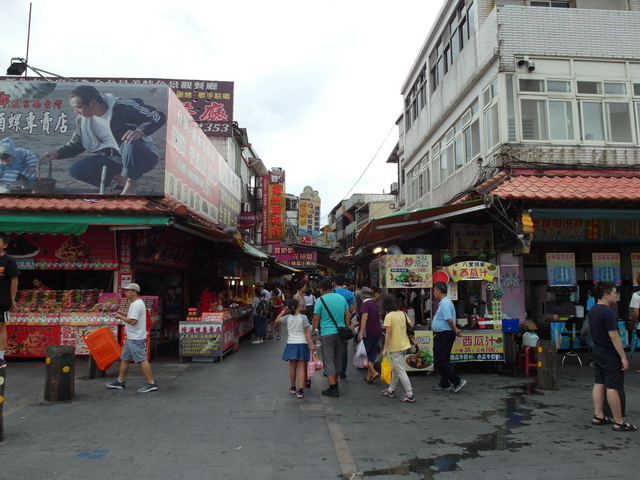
(398, 225)
(74, 224)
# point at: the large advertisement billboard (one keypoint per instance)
(105, 138)
(309, 213)
(273, 207)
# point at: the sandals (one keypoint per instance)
(371, 380)
(624, 427)
(601, 421)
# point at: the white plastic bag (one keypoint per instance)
(360, 358)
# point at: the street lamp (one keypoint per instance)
(19, 65)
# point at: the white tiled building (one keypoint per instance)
(519, 82)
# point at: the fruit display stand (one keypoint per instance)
(214, 334)
(61, 317)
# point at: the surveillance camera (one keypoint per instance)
(531, 66)
(522, 62)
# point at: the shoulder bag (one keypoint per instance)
(345, 333)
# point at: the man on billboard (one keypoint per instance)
(117, 131)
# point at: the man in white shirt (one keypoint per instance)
(135, 347)
(634, 306)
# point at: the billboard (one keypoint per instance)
(209, 102)
(197, 175)
(273, 206)
(80, 147)
(295, 257)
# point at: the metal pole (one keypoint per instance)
(26, 59)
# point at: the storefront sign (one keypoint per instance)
(594, 231)
(93, 250)
(561, 269)
(606, 268)
(475, 346)
(472, 270)
(247, 220)
(165, 247)
(74, 336)
(470, 240)
(31, 340)
(408, 271)
(295, 257)
(273, 201)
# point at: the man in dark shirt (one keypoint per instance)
(609, 359)
(8, 290)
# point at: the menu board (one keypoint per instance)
(408, 271)
(561, 269)
(197, 339)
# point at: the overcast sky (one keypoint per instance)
(316, 85)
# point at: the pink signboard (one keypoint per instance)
(295, 257)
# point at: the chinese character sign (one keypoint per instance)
(274, 214)
(39, 119)
(561, 269)
(295, 257)
(408, 271)
(309, 212)
(472, 270)
(606, 268)
(471, 239)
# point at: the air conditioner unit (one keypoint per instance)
(394, 187)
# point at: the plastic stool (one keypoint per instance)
(527, 358)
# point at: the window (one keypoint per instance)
(534, 119)
(636, 89)
(550, 4)
(454, 38)
(528, 85)
(559, 86)
(590, 88)
(561, 120)
(491, 115)
(592, 121)
(416, 99)
(615, 88)
(619, 122)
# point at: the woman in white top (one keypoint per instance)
(299, 344)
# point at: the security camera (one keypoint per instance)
(531, 66)
(522, 62)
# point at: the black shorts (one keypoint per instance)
(608, 370)
(4, 315)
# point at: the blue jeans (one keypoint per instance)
(260, 326)
(135, 160)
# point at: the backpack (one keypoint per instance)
(261, 308)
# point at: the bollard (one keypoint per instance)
(547, 365)
(94, 370)
(2, 379)
(60, 375)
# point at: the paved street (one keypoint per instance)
(236, 419)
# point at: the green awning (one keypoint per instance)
(72, 224)
(253, 251)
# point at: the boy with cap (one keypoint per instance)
(135, 346)
(15, 163)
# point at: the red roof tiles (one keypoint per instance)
(90, 204)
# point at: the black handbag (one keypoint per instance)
(345, 333)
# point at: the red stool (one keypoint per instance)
(527, 358)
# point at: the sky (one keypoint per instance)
(317, 86)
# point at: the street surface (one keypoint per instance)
(236, 420)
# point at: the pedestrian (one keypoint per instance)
(259, 316)
(370, 331)
(609, 359)
(117, 131)
(634, 307)
(135, 347)
(9, 273)
(309, 302)
(331, 309)
(341, 289)
(300, 345)
(445, 332)
(396, 343)
(277, 307)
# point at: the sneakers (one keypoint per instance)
(256, 342)
(458, 387)
(278, 337)
(440, 387)
(148, 387)
(117, 384)
(300, 393)
(388, 393)
(292, 390)
(307, 384)
(3, 363)
(591, 365)
(408, 398)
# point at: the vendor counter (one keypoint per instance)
(481, 345)
(561, 335)
(214, 334)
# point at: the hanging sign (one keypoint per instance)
(561, 269)
(473, 270)
(606, 268)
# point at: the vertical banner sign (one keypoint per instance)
(309, 212)
(512, 283)
(273, 223)
(606, 268)
(635, 267)
(561, 269)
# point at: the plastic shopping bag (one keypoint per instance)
(318, 362)
(360, 358)
(385, 367)
(311, 367)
